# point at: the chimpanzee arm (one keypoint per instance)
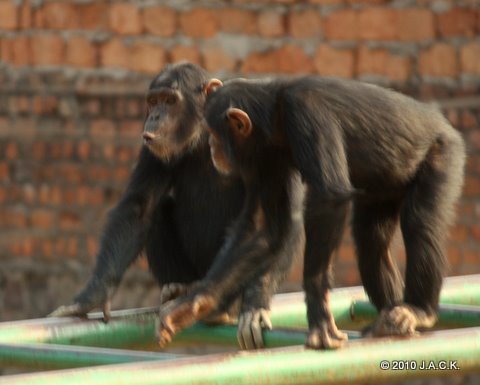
(268, 226)
(124, 235)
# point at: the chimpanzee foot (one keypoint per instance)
(173, 290)
(250, 326)
(401, 320)
(81, 310)
(181, 313)
(326, 336)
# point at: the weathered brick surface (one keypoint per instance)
(71, 110)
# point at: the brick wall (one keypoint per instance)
(72, 77)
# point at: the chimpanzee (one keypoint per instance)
(395, 159)
(177, 208)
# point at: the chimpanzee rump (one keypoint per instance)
(396, 159)
(176, 208)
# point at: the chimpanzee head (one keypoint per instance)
(175, 101)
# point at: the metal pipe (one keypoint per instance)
(43, 356)
(359, 362)
(135, 328)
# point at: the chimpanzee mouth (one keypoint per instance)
(148, 137)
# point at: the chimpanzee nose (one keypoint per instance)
(148, 136)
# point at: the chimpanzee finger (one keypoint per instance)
(256, 328)
(244, 334)
(74, 310)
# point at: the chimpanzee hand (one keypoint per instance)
(93, 296)
(173, 290)
(326, 336)
(250, 326)
(182, 312)
(78, 309)
(401, 320)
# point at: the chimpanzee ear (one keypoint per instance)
(211, 86)
(239, 121)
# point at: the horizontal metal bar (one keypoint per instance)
(46, 356)
(135, 328)
(359, 362)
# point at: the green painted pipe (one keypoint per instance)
(359, 362)
(135, 328)
(43, 356)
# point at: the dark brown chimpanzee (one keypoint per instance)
(398, 160)
(177, 208)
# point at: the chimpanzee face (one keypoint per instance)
(174, 111)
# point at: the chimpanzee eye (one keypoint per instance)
(171, 99)
(152, 100)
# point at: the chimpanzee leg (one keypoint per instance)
(166, 258)
(373, 228)
(427, 211)
(324, 225)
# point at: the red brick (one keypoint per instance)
(471, 187)
(93, 16)
(47, 50)
(475, 229)
(469, 120)
(287, 59)
(81, 52)
(20, 47)
(11, 151)
(331, 61)
(377, 24)
(84, 149)
(415, 24)
(44, 104)
(160, 21)
(125, 19)
(326, 2)
(470, 58)
(342, 25)
(42, 218)
(92, 246)
(114, 54)
(440, 60)
(122, 174)
(457, 22)
(370, 2)
(260, 62)
(381, 62)
(306, 23)
(102, 128)
(292, 59)
(454, 255)
(185, 52)
(399, 68)
(271, 24)
(26, 15)
(458, 233)
(238, 21)
(70, 220)
(199, 22)
(59, 15)
(4, 172)
(99, 173)
(130, 128)
(8, 15)
(215, 60)
(146, 57)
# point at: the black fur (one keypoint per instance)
(177, 209)
(394, 157)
